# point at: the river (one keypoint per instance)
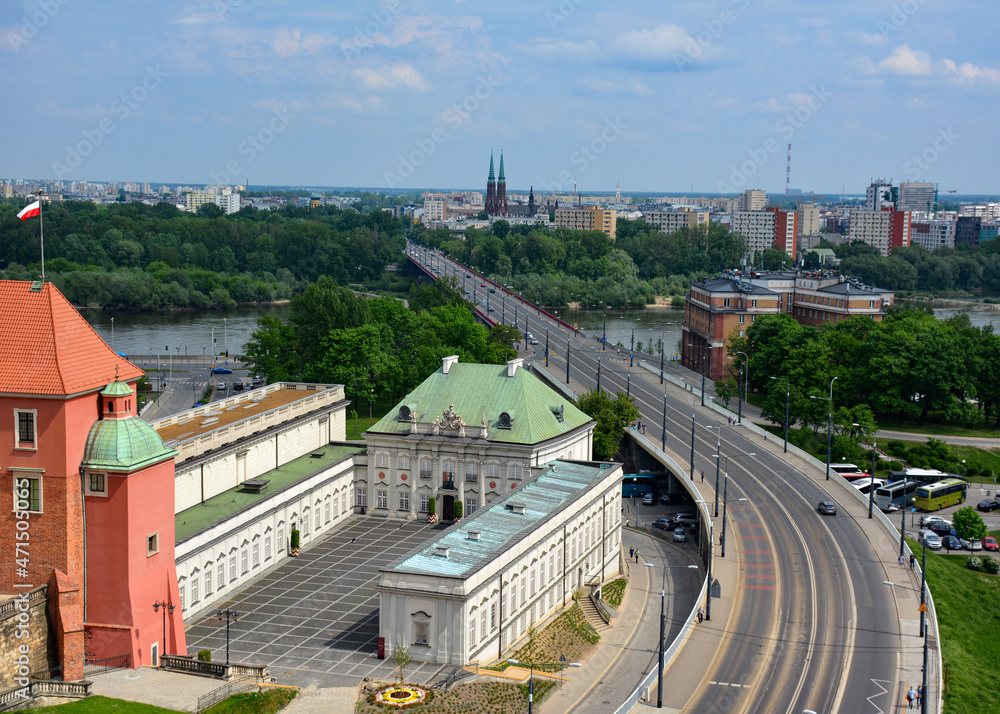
(143, 333)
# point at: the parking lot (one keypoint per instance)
(314, 619)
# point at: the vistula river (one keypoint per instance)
(190, 332)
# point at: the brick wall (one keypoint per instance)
(25, 624)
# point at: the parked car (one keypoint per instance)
(492, 290)
(685, 519)
(648, 499)
(222, 370)
(941, 528)
(971, 544)
(990, 543)
(930, 539)
(925, 521)
(679, 535)
(663, 524)
(951, 542)
(827, 508)
(988, 504)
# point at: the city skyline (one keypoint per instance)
(410, 94)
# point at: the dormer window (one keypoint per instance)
(405, 414)
(505, 421)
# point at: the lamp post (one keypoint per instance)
(725, 501)
(745, 379)
(598, 375)
(663, 351)
(663, 625)
(871, 485)
(711, 545)
(717, 456)
(691, 467)
(371, 393)
(829, 429)
(703, 380)
(663, 433)
(229, 615)
(604, 334)
(531, 674)
(156, 608)
(788, 392)
(113, 336)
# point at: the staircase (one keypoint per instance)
(594, 618)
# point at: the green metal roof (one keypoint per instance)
(499, 527)
(478, 390)
(123, 445)
(224, 505)
(117, 389)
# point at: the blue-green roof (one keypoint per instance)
(117, 389)
(499, 526)
(478, 390)
(123, 445)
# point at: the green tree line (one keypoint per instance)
(136, 256)
(376, 347)
(965, 269)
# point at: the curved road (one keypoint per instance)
(812, 628)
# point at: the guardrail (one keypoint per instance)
(224, 692)
(17, 697)
(107, 664)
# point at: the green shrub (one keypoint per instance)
(990, 565)
(458, 510)
(974, 563)
(431, 506)
(295, 538)
(204, 655)
(613, 592)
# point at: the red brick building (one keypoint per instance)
(83, 485)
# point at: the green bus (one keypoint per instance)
(948, 492)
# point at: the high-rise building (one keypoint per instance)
(879, 194)
(762, 230)
(809, 224)
(917, 197)
(588, 218)
(933, 234)
(435, 209)
(751, 200)
(885, 229)
(968, 230)
(670, 221)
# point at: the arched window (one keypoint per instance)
(514, 471)
(404, 462)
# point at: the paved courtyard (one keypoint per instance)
(314, 619)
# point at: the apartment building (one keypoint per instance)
(767, 229)
(885, 229)
(917, 197)
(588, 218)
(670, 221)
(933, 234)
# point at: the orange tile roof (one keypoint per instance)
(47, 347)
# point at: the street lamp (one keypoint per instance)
(725, 499)
(745, 378)
(229, 615)
(717, 456)
(113, 336)
(924, 630)
(531, 674)
(871, 485)
(663, 625)
(788, 392)
(371, 393)
(711, 546)
(156, 608)
(829, 430)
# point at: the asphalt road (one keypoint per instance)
(812, 629)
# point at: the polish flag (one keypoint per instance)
(29, 211)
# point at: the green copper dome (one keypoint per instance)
(123, 445)
(117, 389)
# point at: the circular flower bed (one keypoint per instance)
(400, 697)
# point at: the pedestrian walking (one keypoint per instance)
(701, 614)
(703, 475)
(910, 696)
(643, 428)
(913, 562)
(902, 560)
(920, 694)
(637, 555)
(631, 552)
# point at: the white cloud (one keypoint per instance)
(564, 50)
(291, 43)
(969, 72)
(392, 76)
(659, 45)
(907, 62)
(867, 39)
(630, 86)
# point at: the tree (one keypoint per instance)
(968, 524)
(725, 389)
(612, 416)
(402, 656)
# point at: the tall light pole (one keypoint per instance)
(113, 336)
(725, 502)
(229, 615)
(745, 378)
(871, 485)
(691, 472)
(165, 605)
(604, 334)
(703, 380)
(531, 674)
(717, 456)
(663, 351)
(788, 392)
(663, 625)
(829, 430)
(663, 434)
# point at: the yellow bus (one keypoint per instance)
(948, 492)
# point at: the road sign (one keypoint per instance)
(923, 607)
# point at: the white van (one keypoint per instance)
(866, 484)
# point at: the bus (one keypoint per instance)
(850, 472)
(934, 497)
(897, 493)
(867, 484)
(636, 485)
(924, 477)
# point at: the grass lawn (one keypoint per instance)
(266, 701)
(357, 418)
(931, 427)
(967, 603)
(99, 705)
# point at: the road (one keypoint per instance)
(812, 627)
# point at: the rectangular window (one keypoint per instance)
(153, 544)
(524, 588)
(25, 428)
(267, 548)
(482, 622)
(244, 561)
(343, 502)
(493, 471)
(318, 523)
(425, 468)
(382, 461)
(493, 616)
(232, 567)
(326, 511)
(256, 554)
(471, 472)
(361, 497)
(532, 582)
(194, 590)
(183, 606)
(471, 505)
(424, 502)
(404, 463)
(281, 540)
(381, 498)
(472, 629)
(513, 595)
(725, 302)
(743, 318)
(208, 581)
(96, 485)
(515, 472)
(28, 493)
(222, 575)
(404, 501)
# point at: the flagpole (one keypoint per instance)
(41, 232)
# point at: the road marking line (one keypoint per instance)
(728, 684)
(885, 690)
(758, 587)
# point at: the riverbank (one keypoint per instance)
(950, 302)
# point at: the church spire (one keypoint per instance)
(500, 177)
(491, 178)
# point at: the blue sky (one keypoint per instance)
(657, 96)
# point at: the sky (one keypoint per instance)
(656, 96)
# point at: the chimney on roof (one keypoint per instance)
(447, 362)
(513, 366)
